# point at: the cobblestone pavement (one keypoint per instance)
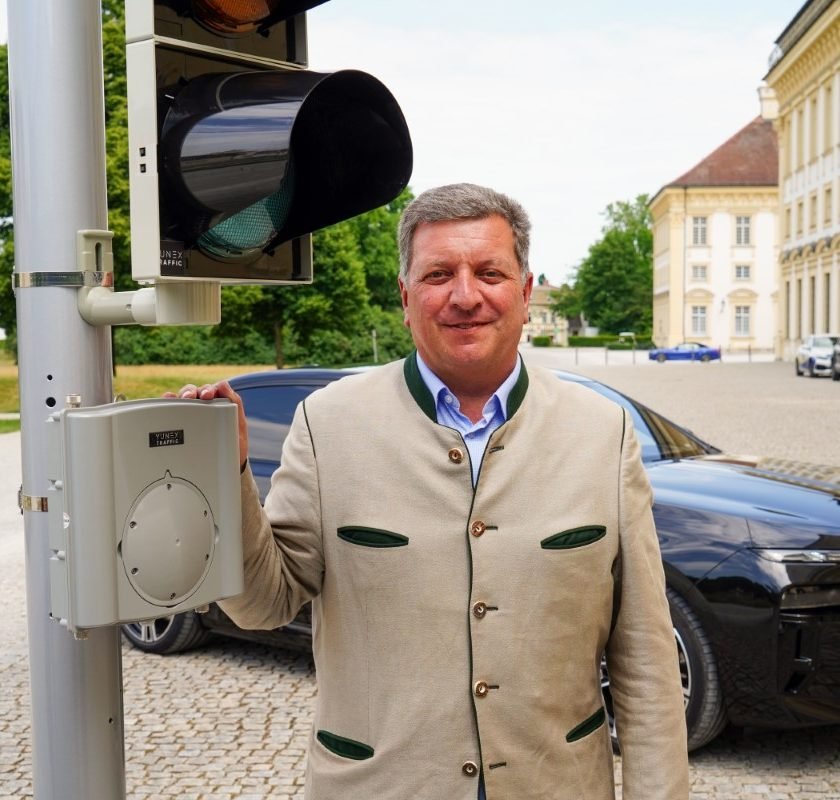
(231, 720)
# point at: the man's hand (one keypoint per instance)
(210, 391)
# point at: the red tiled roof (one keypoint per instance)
(749, 158)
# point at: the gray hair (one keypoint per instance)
(463, 201)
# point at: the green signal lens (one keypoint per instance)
(253, 227)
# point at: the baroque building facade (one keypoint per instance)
(802, 96)
(715, 247)
(542, 319)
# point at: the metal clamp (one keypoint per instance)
(28, 502)
(30, 280)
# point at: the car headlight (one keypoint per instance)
(799, 556)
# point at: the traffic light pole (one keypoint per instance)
(58, 152)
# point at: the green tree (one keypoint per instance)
(615, 281)
(116, 139)
(566, 301)
(7, 249)
(376, 232)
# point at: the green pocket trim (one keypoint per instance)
(346, 748)
(372, 537)
(589, 725)
(576, 537)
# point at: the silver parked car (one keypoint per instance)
(815, 354)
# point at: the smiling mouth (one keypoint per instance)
(466, 326)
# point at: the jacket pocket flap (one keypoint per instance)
(589, 725)
(372, 537)
(346, 748)
(576, 537)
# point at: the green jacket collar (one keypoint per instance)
(423, 397)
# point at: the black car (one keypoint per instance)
(835, 362)
(751, 551)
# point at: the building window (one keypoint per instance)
(698, 230)
(800, 216)
(787, 223)
(812, 216)
(813, 130)
(827, 300)
(788, 165)
(799, 325)
(698, 320)
(788, 309)
(827, 211)
(742, 272)
(828, 111)
(742, 320)
(742, 230)
(698, 272)
(800, 137)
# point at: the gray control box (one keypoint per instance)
(144, 510)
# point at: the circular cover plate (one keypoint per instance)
(168, 541)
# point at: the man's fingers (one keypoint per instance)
(188, 392)
(209, 391)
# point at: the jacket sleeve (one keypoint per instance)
(641, 652)
(282, 545)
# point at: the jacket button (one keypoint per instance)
(481, 689)
(456, 456)
(477, 528)
(479, 609)
(470, 769)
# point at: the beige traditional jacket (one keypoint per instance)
(458, 630)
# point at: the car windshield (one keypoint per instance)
(659, 438)
(823, 341)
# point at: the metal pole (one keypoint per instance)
(58, 161)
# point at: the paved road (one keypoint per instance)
(231, 720)
(757, 408)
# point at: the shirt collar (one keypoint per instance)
(435, 385)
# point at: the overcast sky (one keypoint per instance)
(567, 106)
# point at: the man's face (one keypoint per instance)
(464, 300)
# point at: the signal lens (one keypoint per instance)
(252, 228)
(234, 16)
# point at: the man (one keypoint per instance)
(473, 536)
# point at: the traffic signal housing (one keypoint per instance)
(237, 151)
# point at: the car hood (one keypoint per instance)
(819, 351)
(786, 504)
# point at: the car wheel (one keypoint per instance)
(661, 358)
(704, 358)
(704, 713)
(166, 635)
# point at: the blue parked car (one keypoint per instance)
(685, 351)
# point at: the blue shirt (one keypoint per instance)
(475, 434)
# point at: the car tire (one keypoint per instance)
(167, 635)
(796, 367)
(835, 374)
(704, 712)
(705, 359)
(661, 358)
